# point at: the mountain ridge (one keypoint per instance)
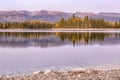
(52, 16)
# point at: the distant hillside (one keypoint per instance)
(106, 16)
(51, 16)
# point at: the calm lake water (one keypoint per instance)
(22, 51)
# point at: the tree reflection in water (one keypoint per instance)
(44, 39)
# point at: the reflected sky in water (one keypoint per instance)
(40, 50)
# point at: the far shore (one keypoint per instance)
(63, 30)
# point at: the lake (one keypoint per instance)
(28, 51)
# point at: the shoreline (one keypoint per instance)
(108, 72)
(87, 74)
(60, 30)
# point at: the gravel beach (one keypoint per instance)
(90, 74)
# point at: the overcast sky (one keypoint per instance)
(62, 5)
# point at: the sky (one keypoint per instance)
(62, 5)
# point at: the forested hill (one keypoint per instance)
(73, 22)
(86, 22)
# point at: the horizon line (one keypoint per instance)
(63, 11)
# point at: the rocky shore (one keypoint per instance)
(90, 74)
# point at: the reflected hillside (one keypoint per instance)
(29, 39)
(44, 39)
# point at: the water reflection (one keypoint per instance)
(59, 50)
(43, 39)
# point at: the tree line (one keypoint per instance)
(73, 22)
(86, 22)
(31, 24)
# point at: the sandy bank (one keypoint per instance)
(89, 74)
